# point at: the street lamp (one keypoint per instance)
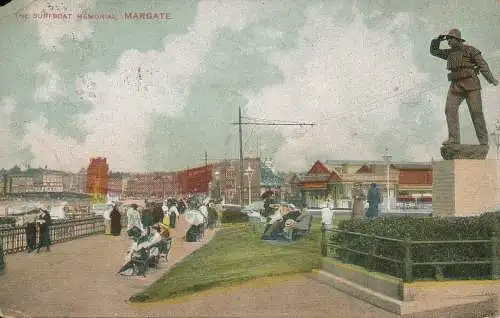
(249, 173)
(387, 158)
(496, 139)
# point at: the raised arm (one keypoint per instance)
(436, 51)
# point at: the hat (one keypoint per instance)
(456, 34)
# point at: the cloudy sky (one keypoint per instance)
(154, 95)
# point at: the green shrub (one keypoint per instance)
(420, 229)
(7, 220)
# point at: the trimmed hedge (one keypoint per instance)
(421, 229)
(8, 220)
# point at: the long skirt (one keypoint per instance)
(193, 233)
(358, 209)
(31, 236)
(173, 219)
(44, 238)
(372, 211)
(116, 227)
(166, 220)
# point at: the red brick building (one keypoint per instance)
(97, 176)
(195, 180)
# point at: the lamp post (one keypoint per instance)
(217, 176)
(496, 139)
(249, 173)
(387, 158)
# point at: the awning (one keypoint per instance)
(315, 185)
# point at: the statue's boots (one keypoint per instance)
(450, 142)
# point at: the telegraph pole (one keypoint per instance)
(255, 123)
(206, 172)
(496, 139)
(241, 155)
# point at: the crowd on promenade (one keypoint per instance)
(150, 226)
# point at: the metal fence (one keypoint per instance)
(406, 263)
(14, 239)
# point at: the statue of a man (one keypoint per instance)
(464, 63)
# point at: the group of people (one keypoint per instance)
(37, 220)
(113, 220)
(143, 234)
(364, 205)
(154, 222)
(202, 213)
(281, 220)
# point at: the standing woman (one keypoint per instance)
(358, 206)
(116, 221)
(166, 217)
(134, 218)
(173, 214)
(44, 223)
(31, 219)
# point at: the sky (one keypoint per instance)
(153, 95)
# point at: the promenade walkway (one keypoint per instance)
(78, 279)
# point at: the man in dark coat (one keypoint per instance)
(374, 199)
(44, 223)
(116, 224)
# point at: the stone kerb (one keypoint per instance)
(420, 299)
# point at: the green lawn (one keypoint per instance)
(236, 254)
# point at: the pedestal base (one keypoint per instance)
(459, 151)
(463, 187)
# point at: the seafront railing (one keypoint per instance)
(14, 239)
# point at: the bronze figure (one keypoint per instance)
(464, 63)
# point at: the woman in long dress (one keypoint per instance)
(358, 206)
(166, 216)
(116, 221)
(44, 223)
(134, 218)
(173, 215)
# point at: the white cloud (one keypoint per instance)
(51, 87)
(347, 78)
(52, 31)
(7, 146)
(8, 105)
(125, 104)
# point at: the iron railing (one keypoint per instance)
(14, 239)
(406, 263)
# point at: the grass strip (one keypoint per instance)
(236, 254)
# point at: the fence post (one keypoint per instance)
(408, 267)
(371, 259)
(345, 252)
(494, 262)
(324, 250)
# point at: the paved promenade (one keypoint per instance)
(78, 279)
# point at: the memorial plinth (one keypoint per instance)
(463, 187)
(463, 151)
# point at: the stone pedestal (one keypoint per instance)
(464, 187)
(464, 151)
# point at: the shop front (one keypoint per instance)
(315, 193)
